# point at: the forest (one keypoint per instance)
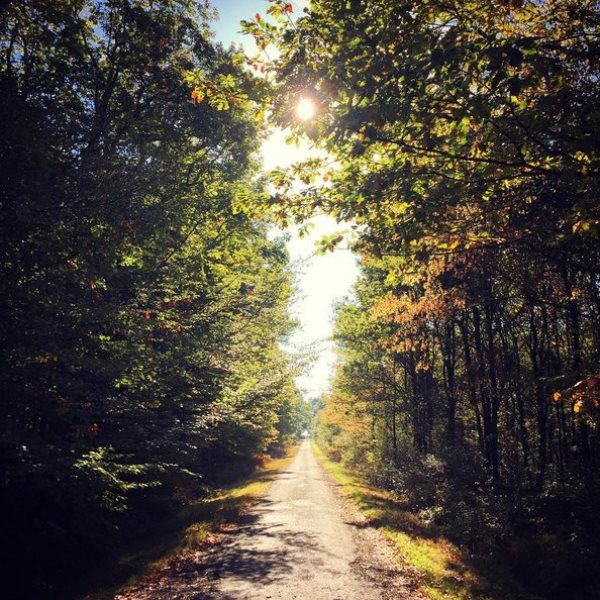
(144, 300)
(464, 153)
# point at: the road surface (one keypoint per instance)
(301, 541)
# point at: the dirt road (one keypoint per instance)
(301, 542)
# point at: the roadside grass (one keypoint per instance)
(439, 566)
(195, 527)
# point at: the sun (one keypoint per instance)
(305, 109)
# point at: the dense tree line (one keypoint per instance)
(142, 302)
(463, 150)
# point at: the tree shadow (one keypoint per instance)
(178, 543)
(261, 553)
(259, 563)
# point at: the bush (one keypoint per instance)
(334, 454)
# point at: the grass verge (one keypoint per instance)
(439, 565)
(194, 528)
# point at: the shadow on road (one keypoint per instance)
(169, 562)
(251, 562)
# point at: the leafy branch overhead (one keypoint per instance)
(221, 93)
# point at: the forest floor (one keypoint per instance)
(306, 528)
(293, 536)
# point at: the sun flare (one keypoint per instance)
(306, 109)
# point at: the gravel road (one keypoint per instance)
(302, 541)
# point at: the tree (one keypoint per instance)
(142, 301)
(459, 148)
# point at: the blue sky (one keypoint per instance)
(230, 13)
